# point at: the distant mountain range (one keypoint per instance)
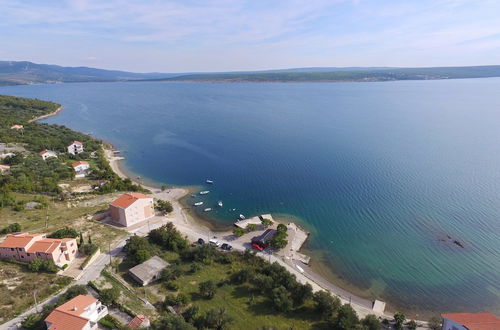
(22, 73)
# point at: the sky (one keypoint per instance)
(232, 35)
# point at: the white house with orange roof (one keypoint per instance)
(27, 247)
(131, 208)
(47, 154)
(17, 126)
(75, 147)
(79, 313)
(81, 168)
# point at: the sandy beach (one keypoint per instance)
(195, 228)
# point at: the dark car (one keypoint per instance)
(201, 241)
(226, 247)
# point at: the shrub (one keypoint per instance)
(399, 317)
(109, 296)
(239, 231)
(281, 299)
(172, 286)
(251, 227)
(163, 206)
(326, 304)
(412, 325)
(266, 222)
(111, 322)
(12, 228)
(215, 318)
(346, 318)
(39, 265)
(65, 232)
(370, 322)
(208, 289)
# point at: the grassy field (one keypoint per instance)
(18, 284)
(249, 310)
(75, 213)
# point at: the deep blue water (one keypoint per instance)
(379, 172)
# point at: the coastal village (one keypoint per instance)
(98, 257)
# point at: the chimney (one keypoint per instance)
(74, 309)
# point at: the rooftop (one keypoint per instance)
(475, 321)
(67, 316)
(149, 268)
(75, 142)
(18, 240)
(128, 199)
(80, 162)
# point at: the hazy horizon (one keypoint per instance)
(176, 36)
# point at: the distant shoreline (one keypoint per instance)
(47, 115)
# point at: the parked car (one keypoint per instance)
(257, 247)
(201, 241)
(213, 242)
(226, 247)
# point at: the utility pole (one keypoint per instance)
(36, 304)
(47, 217)
(109, 253)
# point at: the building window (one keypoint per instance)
(29, 254)
(22, 257)
(12, 249)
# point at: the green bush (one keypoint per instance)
(111, 322)
(65, 232)
(12, 228)
(39, 265)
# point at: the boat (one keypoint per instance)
(198, 203)
(219, 203)
(209, 181)
(242, 217)
(208, 209)
(204, 192)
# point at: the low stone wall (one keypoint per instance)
(90, 259)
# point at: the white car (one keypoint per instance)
(213, 242)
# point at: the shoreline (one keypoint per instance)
(194, 226)
(47, 115)
(193, 223)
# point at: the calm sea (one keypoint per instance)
(385, 175)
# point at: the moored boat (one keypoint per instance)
(204, 192)
(242, 217)
(209, 181)
(208, 209)
(198, 203)
(219, 203)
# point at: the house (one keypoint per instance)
(140, 321)
(81, 167)
(27, 247)
(131, 208)
(470, 321)
(81, 312)
(4, 168)
(75, 147)
(47, 154)
(17, 126)
(149, 271)
(263, 240)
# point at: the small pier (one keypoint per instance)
(254, 221)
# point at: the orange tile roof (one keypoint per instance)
(475, 321)
(46, 245)
(20, 240)
(62, 321)
(80, 162)
(137, 321)
(128, 199)
(5, 167)
(75, 142)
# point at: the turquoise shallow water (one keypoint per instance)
(381, 173)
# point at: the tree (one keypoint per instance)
(279, 241)
(435, 323)
(81, 239)
(300, 293)
(400, 318)
(251, 227)
(216, 318)
(371, 322)
(90, 239)
(208, 289)
(412, 325)
(109, 296)
(282, 228)
(326, 304)
(346, 319)
(281, 299)
(164, 206)
(12, 228)
(266, 222)
(168, 237)
(191, 313)
(239, 231)
(163, 187)
(142, 255)
(171, 322)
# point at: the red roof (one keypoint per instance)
(19, 240)
(67, 316)
(75, 142)
(137, 321)
(475, 321)
(80, 162)
(126, 200)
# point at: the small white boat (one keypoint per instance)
(209, 181)
(198, 203)
(242, 217)
(204, 192)
(219, 203)
(208, 209)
